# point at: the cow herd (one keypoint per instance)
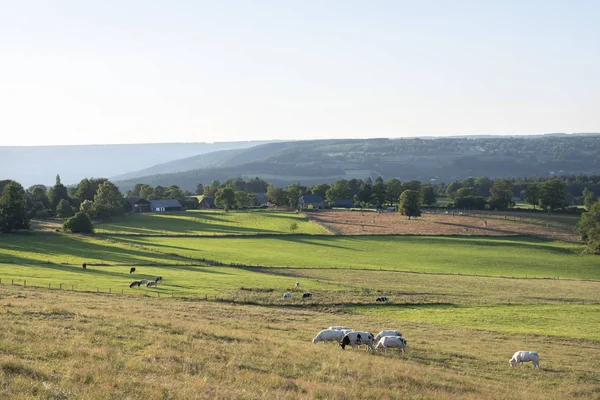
(146, 282)
(345, 336)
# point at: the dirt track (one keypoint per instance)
(371, 223)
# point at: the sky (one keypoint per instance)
(83, 72)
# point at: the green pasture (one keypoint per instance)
(491, 256)
(578, 321)
(212, 223)
(177, 280)
(74, 250)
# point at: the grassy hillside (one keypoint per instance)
(64, 345)
(498, 256)
(212, 223)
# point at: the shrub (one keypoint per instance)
(79, 223)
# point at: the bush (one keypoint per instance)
(79, 223)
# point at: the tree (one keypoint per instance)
(64, 209)
(57, 193)
(38, 195)
(429, 196)
(320, 190)
(174, 192)
(145, 192)
(589, 198)
(379, 192)
(211, 191)
(257, 185)
(86, 206)
(293, 193)
(339, 190)
(412, 185)
(410, 203)
(532, 194)
(276, 195)
(393, 190)
(225, 198)
(243, 199)
(159, 193)
(552, 195)
(13, 208)
(452, 188)
(589, 228)
(501, 195)
(79, 223)
(366, 192)
(108, 201)
(482, 185)
(85, 190)
(199, 188)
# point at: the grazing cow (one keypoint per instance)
(151, 283)
(521, 357)
(387, 342)
(287, 295)
(387, 333)
(357, 338)
(158, 278)
(131, 270)
(329, 335)
(307, 296)
(84, 265)
(134, 283)
(297, 284)
(382, 299)
(340, 328)
(143, 281)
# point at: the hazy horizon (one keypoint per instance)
(140, 72)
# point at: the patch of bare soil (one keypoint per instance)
(46, 225)
(371, 223)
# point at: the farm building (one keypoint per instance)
(138, 204)
(165, 205)
(311, 201)
(343, 203)
(207, 203)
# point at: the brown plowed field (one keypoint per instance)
(372, 223)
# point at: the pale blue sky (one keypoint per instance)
(82, 72)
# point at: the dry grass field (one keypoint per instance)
(62, 345)
(495, 224)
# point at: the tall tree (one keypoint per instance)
(108, 201)
(210, 191)
(429, 196)
(38, 195)
(552, 195)
(293, 193)
(276, 195)
(225, 198)
(532, 194)
(589, 227)
(257, 185)
(589, 198)
(199, 188)
(365, 194)
(501, 195)
(393, 190)
(339, 190)
(13, 208)
(410, 203)
(452, 188)
(57, 193)
(379, 192)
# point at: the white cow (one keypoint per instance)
(143, 281)
(151, 283)
(287, 295)
(329, 335)
(385, 333)
(387, 342)
(356, 338)
(521, 357)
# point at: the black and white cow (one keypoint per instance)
(132, 270)
(382, 299)
(134, 283)
(307, 296)
(357, 338)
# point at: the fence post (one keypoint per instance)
(48, 285)
(109, 290)
(13, 282)
(60, 286)
(24, 283)
(72, 288)
(97, 290)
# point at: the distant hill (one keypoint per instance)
(39, 164)
(442, 159)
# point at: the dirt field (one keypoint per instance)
(371, 223)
